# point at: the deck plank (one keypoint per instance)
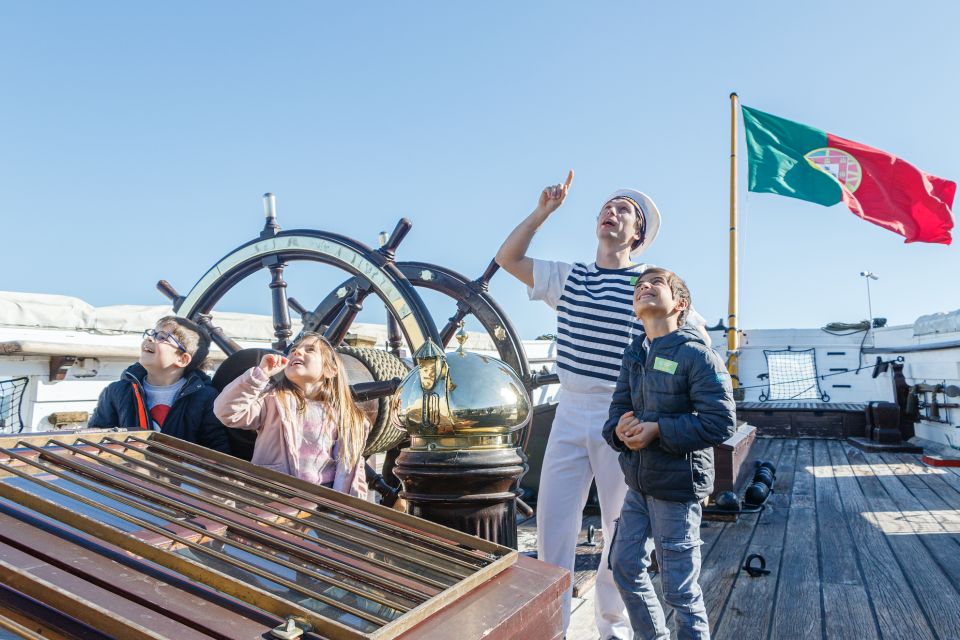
(847, 612)
(945, 481)
(749, 608)
(797, 606)
(920, 549)
(897, 611)
(713, 531)
(720, 572)
(927, 484)
(838, 563)
(836, 574)
(710, 531)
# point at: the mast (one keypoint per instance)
(733, 332)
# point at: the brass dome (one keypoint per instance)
(461, 400)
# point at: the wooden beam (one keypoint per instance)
(59, 366)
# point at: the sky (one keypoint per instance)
(138, 138)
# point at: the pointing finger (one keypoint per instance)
(569, 179)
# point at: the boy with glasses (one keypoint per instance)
(165, 390)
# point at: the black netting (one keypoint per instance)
(792, 375)
(11, 396)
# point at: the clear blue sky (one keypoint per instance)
(137, 139)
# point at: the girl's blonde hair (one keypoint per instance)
(335, 393)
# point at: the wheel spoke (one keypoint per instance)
(394, 337)
(217, 336)
(389, 248)
(363, 391)
(167, 289)
(307, 317)
(483, 282)
(296, 306)
(204, 321)
(278, 295)
(340, 325)
(446, 334)
(328, 308)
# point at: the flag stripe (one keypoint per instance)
(897, 196)
(776, 149)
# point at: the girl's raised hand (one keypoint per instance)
(272, 364)
(552, 197)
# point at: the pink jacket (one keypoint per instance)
(245, 403)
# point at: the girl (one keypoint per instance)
(307, 422)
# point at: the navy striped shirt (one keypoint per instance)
(595, 320)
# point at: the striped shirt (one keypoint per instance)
(595, 320)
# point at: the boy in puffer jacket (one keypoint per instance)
(673, 402)
(166, 389)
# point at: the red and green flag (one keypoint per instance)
(792, 159)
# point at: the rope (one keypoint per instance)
(834, 328)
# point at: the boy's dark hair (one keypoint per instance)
(191, 336)
(677, 286)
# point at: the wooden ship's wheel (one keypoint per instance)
(373, 373)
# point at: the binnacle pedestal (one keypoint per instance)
(463, 468)
(473, 491)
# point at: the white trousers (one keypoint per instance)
(576, 454)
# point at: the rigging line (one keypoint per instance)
(801, 392)
(742, 241)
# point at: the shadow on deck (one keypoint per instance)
(860, 545)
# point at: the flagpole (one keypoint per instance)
(733, 332)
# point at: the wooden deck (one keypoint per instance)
(859, 545)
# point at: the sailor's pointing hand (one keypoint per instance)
(552, 197)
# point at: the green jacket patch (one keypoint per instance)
(667, 366)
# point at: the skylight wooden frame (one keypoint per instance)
(181, 496)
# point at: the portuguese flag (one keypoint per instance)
(795, 160)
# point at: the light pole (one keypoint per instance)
(868, 276)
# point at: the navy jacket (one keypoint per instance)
(684, 386)
(124, 404)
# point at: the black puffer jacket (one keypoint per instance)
(682, 385)
(124, 404)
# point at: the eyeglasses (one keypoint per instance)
(164, 336)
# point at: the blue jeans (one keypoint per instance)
(673, 528)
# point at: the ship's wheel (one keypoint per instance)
(372, 372)
(472, 296)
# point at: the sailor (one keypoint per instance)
(595, 323)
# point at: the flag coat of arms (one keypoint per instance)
(799, 161)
